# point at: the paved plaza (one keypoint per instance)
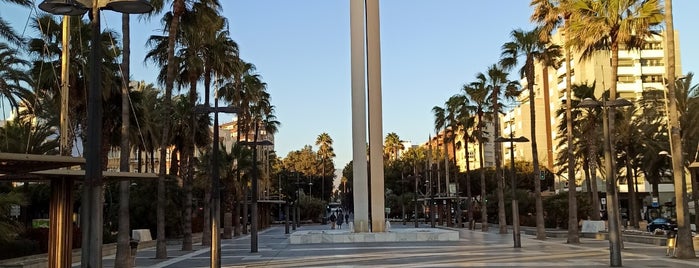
(473, 249)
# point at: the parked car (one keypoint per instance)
(663, 224)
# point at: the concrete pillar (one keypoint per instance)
(360, 192)
(378, 219)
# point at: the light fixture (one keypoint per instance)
(63, 7)
(80, 7)
(129, 6)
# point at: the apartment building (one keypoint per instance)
(436, 143)
(640, 71)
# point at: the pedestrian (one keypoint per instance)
(347, 218)
(332, 220)
(340, 218)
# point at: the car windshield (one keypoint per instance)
(660, 220)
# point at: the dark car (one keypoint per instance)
(663, 224)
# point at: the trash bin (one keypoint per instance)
(134, 249)
(325, 220)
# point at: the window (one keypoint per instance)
(626, 79)
(652, 62)
(654, 45)
(652, 78)
(625, 62)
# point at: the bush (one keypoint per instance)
(311, 208)
(556, 209)
(17, 248)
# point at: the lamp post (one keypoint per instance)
(515, 206)
(612, 200)
(255, 193)
(91, 221)
(215, 181)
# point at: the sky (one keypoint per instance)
(429, 49)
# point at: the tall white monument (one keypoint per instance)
(358, 32)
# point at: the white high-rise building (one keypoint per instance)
(640, 71)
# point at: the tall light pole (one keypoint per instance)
(612, 200)
(91, 205)
(515, 206)
(255, 193)
(215, 180)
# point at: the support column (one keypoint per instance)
(378, 222)
(61, 204)
(61, 227)
(361, 206)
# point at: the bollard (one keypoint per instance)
(134, 249)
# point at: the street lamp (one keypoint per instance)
(215, 181)
(612, 200)
(91, 221)
(255, 181)
(515, 206)
(310, 189)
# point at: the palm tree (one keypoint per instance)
(178, 8)
(591, 133)
(12, 76)
(550, 15)
(325, 151)
(687, 96)
(495, 80)
(596, 25)
(6, 30)
(393, 145)
(477, 93)
(528, 45)
(21, 135)
(465, 121)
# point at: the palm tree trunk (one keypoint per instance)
(206, 232)
(685, 246)
(123, 254)
(188, 174)
(469, 203)
(540, 228)
(161, 244)
(446, 180)
(573, 236)
(502, 218)
(484, 206)
(593, 178)
(630, 182)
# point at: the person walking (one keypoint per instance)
(340, 219)
(332, 220)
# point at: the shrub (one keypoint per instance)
(556, 209)
(17, 248)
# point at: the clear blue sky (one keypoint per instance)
(429, 49)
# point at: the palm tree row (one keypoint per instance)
(629, 23)
(187, 56)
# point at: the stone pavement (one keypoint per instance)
(474, 249)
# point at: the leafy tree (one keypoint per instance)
(9, 227)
